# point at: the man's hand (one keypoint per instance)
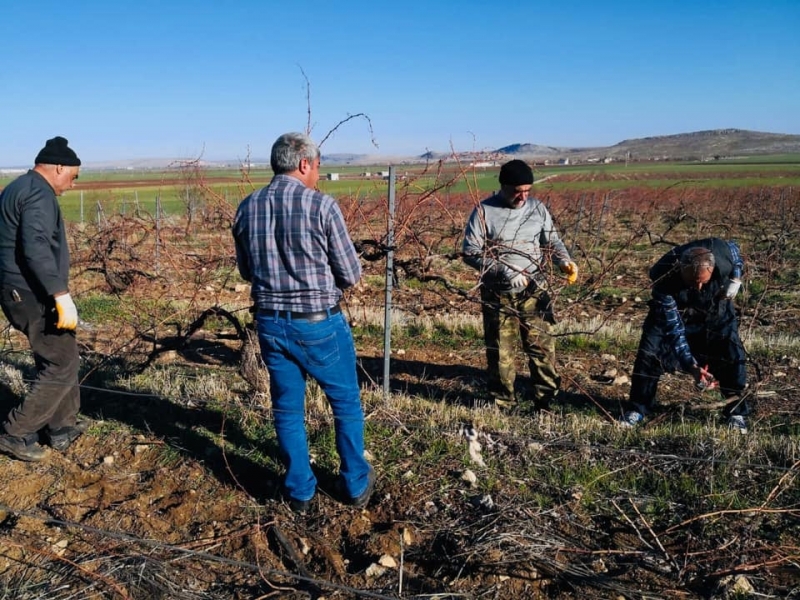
(732, 289)
(703, 379)
(518, 281)
(570, 269)
(67, 313)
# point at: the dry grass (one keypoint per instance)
(549, 505)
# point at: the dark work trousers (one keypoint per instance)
(724, 355)
(528, 317)
(53, 399)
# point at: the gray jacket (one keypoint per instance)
(501, 242)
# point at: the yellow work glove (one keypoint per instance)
(570, 269)
(67, 313)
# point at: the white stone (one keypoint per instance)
(742, 585)
(408, 537)
(375, 570)
(60, 547)
(387, 561)
(469, 476)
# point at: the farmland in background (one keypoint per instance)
(174, 491)
(126, 192)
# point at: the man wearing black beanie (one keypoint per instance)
(35, 298)
(510, 239)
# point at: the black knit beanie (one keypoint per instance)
(56, 152)
(516, 172)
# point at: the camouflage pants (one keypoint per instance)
(527, 316)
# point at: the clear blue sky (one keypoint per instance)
(172, 78)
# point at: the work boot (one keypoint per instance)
(23, 448)
(737, 423)
(634, 417)
(299, 507)
(361, 500)
(60, 439)
(507, 404)
(542, 403)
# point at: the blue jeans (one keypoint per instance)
(293, 349)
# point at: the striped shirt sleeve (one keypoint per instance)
(674, 328)
(736, 260)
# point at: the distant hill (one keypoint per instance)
(698, 145)
(532, 150)
(715, 142)
(722, 143)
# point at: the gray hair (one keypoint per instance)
(698, 258)
(289, 149)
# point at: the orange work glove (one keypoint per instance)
(570, 269)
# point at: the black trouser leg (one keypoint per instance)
(726, 360)
(54, 397)
(647, 369)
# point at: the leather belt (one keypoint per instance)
(317, 315)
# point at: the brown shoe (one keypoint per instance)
(23, 448)
(60, 439)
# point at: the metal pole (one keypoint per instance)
(387, 315)
(158, 228)
(571, 249)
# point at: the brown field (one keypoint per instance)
(167, 181)
(169, 496)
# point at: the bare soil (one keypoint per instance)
(147, 506)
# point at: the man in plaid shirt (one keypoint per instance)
(292, 244)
